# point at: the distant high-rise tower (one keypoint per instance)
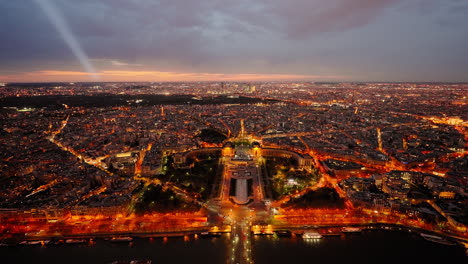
(379, 139)
(405, 144)
(242, 131)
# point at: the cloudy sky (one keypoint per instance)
(171, 40)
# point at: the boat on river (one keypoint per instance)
(75, 241)
(30, 243)
(311, 235)
(351, 229)
(121, 239)
(437, 239)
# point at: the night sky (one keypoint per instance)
(191, 40)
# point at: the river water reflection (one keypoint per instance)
(368, 247)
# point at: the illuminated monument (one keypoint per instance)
(241, 178)
(243, 157)
(240, 171)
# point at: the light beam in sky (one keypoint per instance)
(58, 21)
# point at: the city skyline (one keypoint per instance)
(360, 40)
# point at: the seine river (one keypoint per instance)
(367, 247)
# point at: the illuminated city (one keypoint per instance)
(247, 132)
(236, 158)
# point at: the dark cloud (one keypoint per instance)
(304, 18)
(293, 36)
(27, 35)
